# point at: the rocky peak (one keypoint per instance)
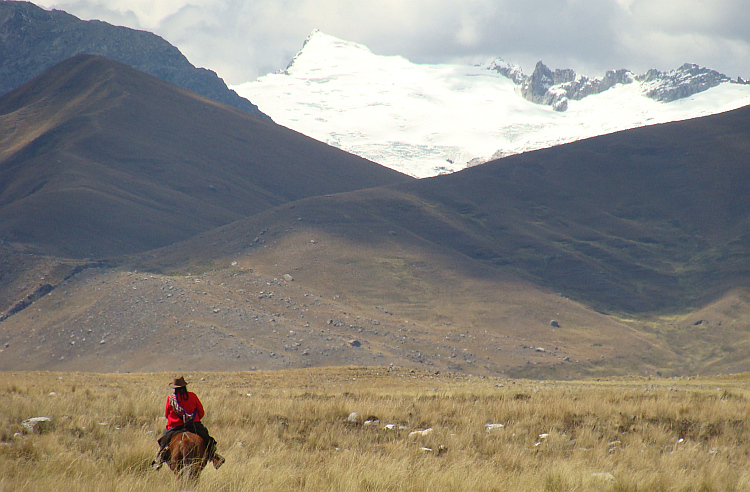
(536, 87)
(683, 82)
(513, 72)
(556, 88)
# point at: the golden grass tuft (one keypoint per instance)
(289, 430)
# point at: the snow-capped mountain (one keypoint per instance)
(425, 120)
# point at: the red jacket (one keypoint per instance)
(190, 410)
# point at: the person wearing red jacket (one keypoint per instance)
(184, 412)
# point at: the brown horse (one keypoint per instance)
(187, 457)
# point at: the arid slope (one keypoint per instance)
(622, 254)
(98, 159)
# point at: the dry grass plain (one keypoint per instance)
(289, 430)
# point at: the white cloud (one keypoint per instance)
(138, 14)
(243, 39)
(667, 33)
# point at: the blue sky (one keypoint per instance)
(244, 39)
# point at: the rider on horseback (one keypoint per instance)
(184, 412)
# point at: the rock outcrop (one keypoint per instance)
(683, 82)
(513, 72)
(557, 88)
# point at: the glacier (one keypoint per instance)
(430, 119)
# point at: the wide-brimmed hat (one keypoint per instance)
(178, 383)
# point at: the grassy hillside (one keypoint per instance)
(296, 287)
(622, 254)
(300, 296)
(291, 430)
(98, 159)
(637, 221)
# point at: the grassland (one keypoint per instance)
(289, 430)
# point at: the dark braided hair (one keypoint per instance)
(181, 393)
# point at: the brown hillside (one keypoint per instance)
(654, 218)
(639, 223)
(98, 159)
(650, 220)
(325, 281)
(274, 291)
(622, 254)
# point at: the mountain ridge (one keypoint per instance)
(34, 39)
(557, 88)
(93, 145)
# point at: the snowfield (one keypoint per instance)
(425, 120)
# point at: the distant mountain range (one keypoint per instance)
(425, 120)
(145, 227)
(33, 39)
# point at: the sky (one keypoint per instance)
(242, 40)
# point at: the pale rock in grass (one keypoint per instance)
(493, 427)
(422, 433)
(440, 450)
(37, 424)
(606, 476)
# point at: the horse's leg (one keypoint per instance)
(176, 455)
(188, 476)
(194, 472)
(192, 469)
(189, 459)
(198, 461)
